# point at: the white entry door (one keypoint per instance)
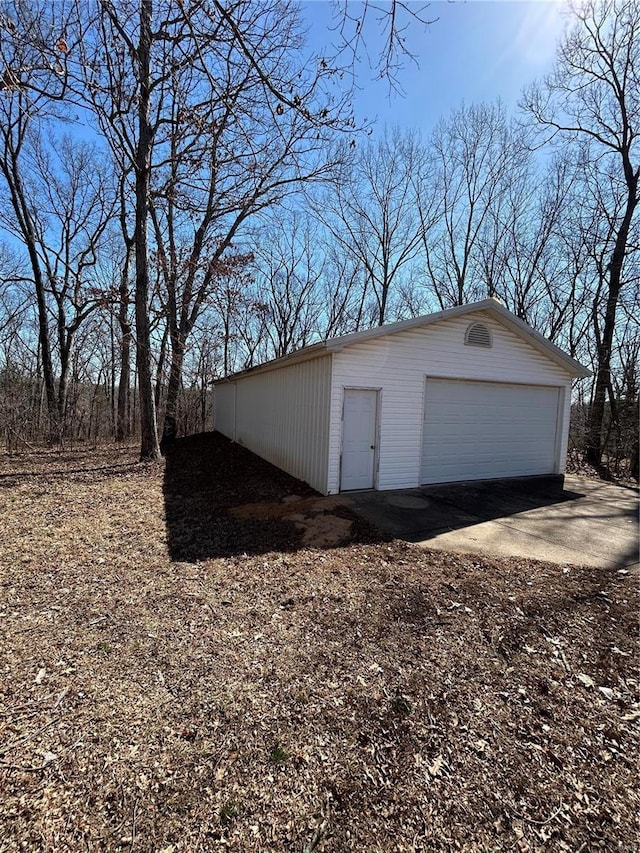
(360, 417)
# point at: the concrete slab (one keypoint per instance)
(586, 522)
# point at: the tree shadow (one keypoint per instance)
(418, 514)
(222, 500)
(118, 468)
(63, 463)
(572, 518)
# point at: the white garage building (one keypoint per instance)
(470, 393)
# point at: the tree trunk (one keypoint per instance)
(54, 428)
(162, 354)
(122, 413)
(170, 430)
(634, 467)
(149, 447)
(603, 375)
(21, 209)
(66, 345)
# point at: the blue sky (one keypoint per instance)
(476, 51)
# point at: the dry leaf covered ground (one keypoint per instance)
(183, 669)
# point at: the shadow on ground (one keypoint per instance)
(588, 520)
(419, 514)
(222, 500)
(46, 462)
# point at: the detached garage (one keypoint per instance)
(470, 393)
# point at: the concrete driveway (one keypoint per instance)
(586, 522)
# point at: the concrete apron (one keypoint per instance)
(587, 522)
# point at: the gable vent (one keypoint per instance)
(478, 335)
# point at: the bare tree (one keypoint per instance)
(476, 155)
(16, 112)
(250, 98)
(14, 297)
(17, 358)
(523, 255)
(372, 213)
(216, 119)
(286, 279)
(592, 99)
(123, 302)
(74, 202)
(232, 151)
(341, 291)
(121, 85)
(392, 20)
(58, 206)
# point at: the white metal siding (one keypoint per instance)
(563, 427)
(283, 416)
(398, 365)
(224, 409)
(483, 430)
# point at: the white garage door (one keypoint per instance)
(483, 430)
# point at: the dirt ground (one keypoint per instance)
(203, 655)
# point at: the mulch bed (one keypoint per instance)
(178, 673)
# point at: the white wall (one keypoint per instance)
(224, 409)
(282, 415)
(397, 365)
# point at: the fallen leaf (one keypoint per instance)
(632, 715)
(436, 767)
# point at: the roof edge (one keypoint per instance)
(304, 354)
(491, 305)
(574, 367)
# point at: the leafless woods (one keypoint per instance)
(184, 192)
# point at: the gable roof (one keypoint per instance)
(491, 306)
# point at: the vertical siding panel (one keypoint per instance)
(224, 408)
(282, 416)
(565, 405)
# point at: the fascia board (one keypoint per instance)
(492, 306)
